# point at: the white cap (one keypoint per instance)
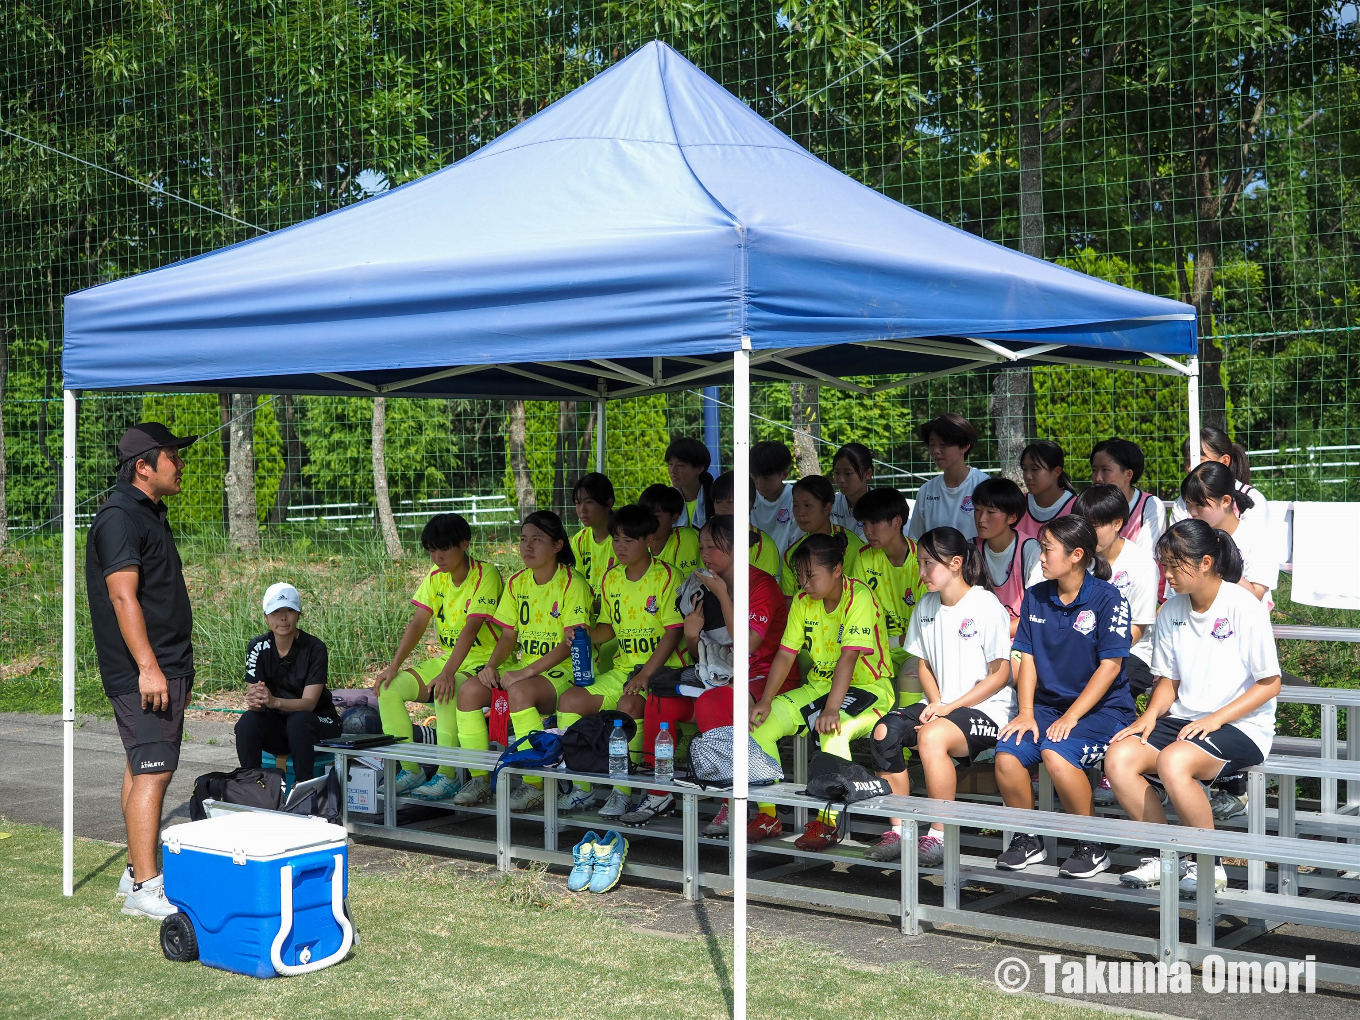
(281, 595)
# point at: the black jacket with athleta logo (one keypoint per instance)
(286, 676)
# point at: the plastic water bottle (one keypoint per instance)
(663, 755)
(582, 670)
(618, 750)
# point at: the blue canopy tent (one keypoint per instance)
(647, 232)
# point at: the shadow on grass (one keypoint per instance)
(117, 855)
(717, 955)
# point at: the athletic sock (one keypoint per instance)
(472, 734)
(446, 732)
(767, 809)
(396, 721)
(526, 720)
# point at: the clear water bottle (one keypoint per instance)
(582, 669)
(618, 750)
(663, 755)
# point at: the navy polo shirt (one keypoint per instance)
(1068, 641)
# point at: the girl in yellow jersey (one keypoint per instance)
(539, 612)
(673, 543)
(461, 595)
(839, 623)
(764, 554)
(594, 499)
(813, 500)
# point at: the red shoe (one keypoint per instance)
(816, 836)
(762, 826)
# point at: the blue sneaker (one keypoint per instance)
(609, 857)
(582, 862)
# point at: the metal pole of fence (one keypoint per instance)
(599, 430)
(1192, 384)
(741, 677)
(68, 642)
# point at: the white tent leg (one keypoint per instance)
(68, 642)
(741, 678)
(1192, 384)
(599, 435)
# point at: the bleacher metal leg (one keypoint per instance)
(689, 846)
(1169, 948)
(1046, 804)
(1329, 750)
(503, 861)
(549, 814)
(1352, 754)
(1204, 902)
(951, 866)
(342, 763)
(389, 797)
(1288, 881)
(1256, 824)
(800, 775)
(911, 924)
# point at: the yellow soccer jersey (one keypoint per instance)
(452, 606)
(857, 622)
(764, 553)
(592, 558)
(539, 613)
(898, 589)
(788, 579)
(681, 551)
(640, 611)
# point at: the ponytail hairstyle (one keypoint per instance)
(1073, 533)
(1047, 454)
(1189, 541)
(823, 550)
(943, 544)
(551, 525)
(721, 529)
(596, 486)
(861, 458)
(1209, 483)
(819, 487)
(695, 454)
(1217, 442)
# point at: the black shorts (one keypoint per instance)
(1140, 675)
(979, 729)
(1228, 744)
(152, 739)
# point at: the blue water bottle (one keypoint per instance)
(582, 669)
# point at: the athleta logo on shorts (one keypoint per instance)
(967, 628)
(1085, 622)
(651, 605)
(783, 517)
(966, 507)
(554, 612)
(1222, 629)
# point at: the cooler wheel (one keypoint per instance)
(178, 941)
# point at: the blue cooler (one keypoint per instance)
(264, 893)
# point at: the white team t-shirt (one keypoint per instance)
(999, 564)
(1216, 656)
(1154, 521)
(776, 519)
(1044, 514)
(938, 506)
(1135, 574)
(844, 515)
(960, 642)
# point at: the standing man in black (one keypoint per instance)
(142, 623)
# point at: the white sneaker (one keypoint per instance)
(1226, 805)
(476, 790)
(1148, 874)
(149, 900)
(618, 804)
(437, 787)
(525, 797)
(408, 781)
(125, 884)
(652, 805)
(1190, 878)
(576, 799)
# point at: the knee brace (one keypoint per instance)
(887, 752)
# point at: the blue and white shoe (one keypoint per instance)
(610, 854)
(576, 799)
(582, 862)
(408, 781)
(439, 787)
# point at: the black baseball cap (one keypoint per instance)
(148, 436)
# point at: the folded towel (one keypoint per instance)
(1327, 555)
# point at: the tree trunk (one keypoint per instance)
(387, 524)
(806, 418)
(585, 454)
(292, 460)
(1212, 396)
(243, 520)
(519, 462)
(4, 374)
(568, 448)
(224, 418)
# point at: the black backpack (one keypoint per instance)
(585, 744)
(836, 780)
(257, 788)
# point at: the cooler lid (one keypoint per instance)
(253, 834)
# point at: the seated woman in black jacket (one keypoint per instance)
(289, 705)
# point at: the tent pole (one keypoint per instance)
(1192, 384)
(68, 642)
(741, 678)
(599, 430)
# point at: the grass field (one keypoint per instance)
(436, 943)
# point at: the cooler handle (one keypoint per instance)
(286, 915)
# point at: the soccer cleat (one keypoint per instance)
(408, 781)
(149, 900)
(526, 797)
(1148, 874)
(576, 799)
(1103, 793)
(1226, 805)
(437, 787)
(476, 790)
(652, 805)
(125, 884)
(1086, 861)
(582, 862)
(610, 853)
(763, 826)
(1190, 878)
(929, 851)
(717, 829)
(816, 836)
(618, 805)
(1023, 851)
(888, 848)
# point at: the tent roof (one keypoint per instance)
(625, 239)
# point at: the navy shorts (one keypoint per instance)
(1228, 744)
(1085, 745)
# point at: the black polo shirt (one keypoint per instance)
(287, 676)
(130, 530)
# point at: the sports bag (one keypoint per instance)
(537, 749)
(836, 780)
(710, 760)
(257, 788)
(585, 744)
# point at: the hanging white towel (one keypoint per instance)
(1327, 555)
